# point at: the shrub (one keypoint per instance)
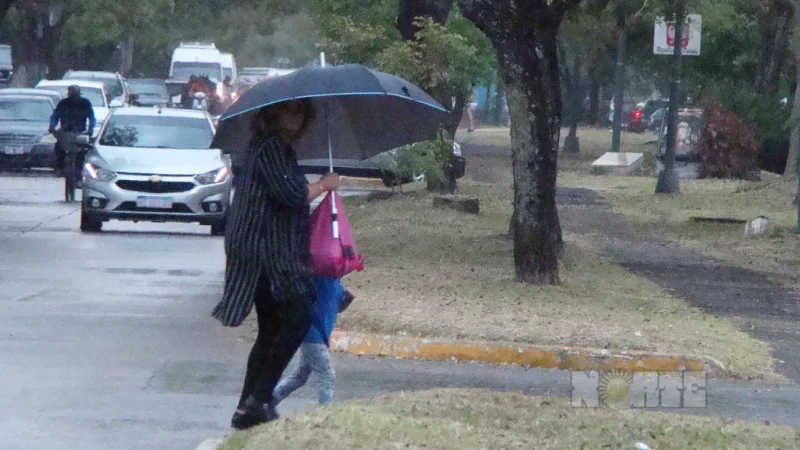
(425, 158)
(728, 145)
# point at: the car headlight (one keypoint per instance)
(213, 177)
(98, 173)
(48, 139)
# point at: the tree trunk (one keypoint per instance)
(774, 42)
(793, 159)
(457, 113)
(40, 39)
(790, 172)
(594, 94)
(534, 150)
(5, 5)
(525, 40)
(571, 77)
(500, 95)
(487, 107)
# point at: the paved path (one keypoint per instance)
(107, 343)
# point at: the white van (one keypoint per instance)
(228, 66)
(194, 58)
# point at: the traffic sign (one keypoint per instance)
(664, 36)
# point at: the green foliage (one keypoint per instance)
(345, 40)
(766, 112)
(97, 22)
(439, 59)
(428, 158)
(354, 31)
(444, 59)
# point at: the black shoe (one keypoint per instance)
(253, 413)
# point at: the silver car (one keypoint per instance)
(154, 164)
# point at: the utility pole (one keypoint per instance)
(619, 83)
(668, 179)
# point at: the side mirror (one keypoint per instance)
(133, 98)
(115, 104)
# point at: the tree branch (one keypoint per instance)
(483, 14)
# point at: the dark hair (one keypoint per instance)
(266, 119)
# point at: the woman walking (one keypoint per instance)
(267, 247)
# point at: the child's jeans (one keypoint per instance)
(313, 358)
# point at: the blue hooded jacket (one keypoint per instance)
(330, 293)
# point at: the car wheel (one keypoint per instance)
(89, 224)
(218, 229)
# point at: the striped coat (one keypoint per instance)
(267, 233)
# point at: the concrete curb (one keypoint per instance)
(519, 354)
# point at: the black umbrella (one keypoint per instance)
(359, 112)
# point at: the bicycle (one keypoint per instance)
(73, 144)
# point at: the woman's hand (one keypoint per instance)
(329, 181)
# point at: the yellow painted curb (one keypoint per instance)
(519, 355)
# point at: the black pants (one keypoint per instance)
(282, 326)
(61, 157)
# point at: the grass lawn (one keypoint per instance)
(777, 253)
(436, 273)
(593, 143)
(472, 420)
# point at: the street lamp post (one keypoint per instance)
(668, 179)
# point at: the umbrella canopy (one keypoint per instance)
(362, 111)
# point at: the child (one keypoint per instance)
(332, 299)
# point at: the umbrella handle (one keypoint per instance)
(334, 216)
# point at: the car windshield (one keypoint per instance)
(112, 83)
(94, 95)
(28, 110)
(187, 69)
(158, 132)
(148, 87)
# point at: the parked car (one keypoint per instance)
(148, 92)
(654, 123)
(24, 140)
(94, 91)
(651, 106)
(114, 82)
(382, 166)
(155, 164)
(636, 122)
(55, 96)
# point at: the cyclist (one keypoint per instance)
(73, 113)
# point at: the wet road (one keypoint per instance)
(106, 342)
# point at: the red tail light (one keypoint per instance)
(637, 114)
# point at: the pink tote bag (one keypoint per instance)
(331, 255)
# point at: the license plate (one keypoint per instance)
(10, 150)
(154, 202)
